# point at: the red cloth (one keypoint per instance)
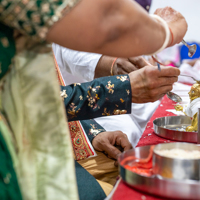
(149, 137)
(123, 191)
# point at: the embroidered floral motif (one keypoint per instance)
(122, 100)
(94, 131)
(81, 97)
(128, 92)
(72, 112)
(34, 17)
(123, 78)
(93, 97)
(79, 142)
(105, 112)
(63, 94)
(110, 87)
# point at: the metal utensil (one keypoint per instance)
(169, 188)
(176, 168)
(192, 48)
(173, 128)
(190, 77)
(174, 97)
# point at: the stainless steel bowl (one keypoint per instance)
(167, 127)
(176, 168)
(156, 185)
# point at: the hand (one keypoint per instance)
(127, 65)
(105, 142)
(175, 21)
(149, 84)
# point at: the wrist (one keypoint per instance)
(112, 67)
(167, 33)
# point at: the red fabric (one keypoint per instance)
(123, 191)
(149, 137)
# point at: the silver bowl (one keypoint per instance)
(176, 168)
(157, 185)
(170, 128)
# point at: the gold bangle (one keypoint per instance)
(111, 69)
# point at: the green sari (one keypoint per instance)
(34, 137)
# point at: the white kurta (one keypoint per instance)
(79, 67)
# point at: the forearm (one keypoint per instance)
(114, 24)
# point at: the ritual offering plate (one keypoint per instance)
(173, 128)
(169, 170)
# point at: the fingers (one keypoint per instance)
(122, 140)
(111, 151)
(106, 142)
(139, 61)
(162, 81)
(168, 71)
(124, 66)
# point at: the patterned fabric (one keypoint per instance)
(33, 17)
(100, 97)
(81, 147)
(80, 144)
(92, 128)
(9, 188)
(7, 49)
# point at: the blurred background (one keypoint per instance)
(190, 9)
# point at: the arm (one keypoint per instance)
(77, 63)
(121, 24)
(102, 29)
(101, 97)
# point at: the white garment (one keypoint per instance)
(192, 108)
(80, 67)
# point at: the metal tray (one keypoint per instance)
(156, 185)
(166, 127)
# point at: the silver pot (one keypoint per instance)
(176, 168)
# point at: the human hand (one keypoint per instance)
(127, 65)
(149, 84)
(175, 21)
(105, 142)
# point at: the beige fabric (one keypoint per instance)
(101, 167)
(34, 110)
(107, 188)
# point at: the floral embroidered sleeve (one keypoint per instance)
(33, 17)
(92, 128)
(101, 97)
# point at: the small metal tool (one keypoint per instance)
(192, 48)
(174, 97)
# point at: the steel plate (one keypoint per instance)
(156, 185)
(167, 127)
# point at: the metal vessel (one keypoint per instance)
(172, 127)
(156, 184)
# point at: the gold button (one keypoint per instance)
(116, 112)
(123, 112)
